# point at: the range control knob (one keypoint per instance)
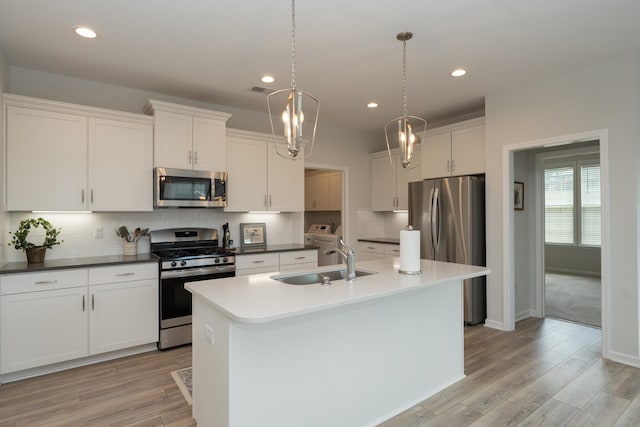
(217, 260)
(173, 263)
(183, 263)
(225, 259)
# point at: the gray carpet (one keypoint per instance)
(574, 298)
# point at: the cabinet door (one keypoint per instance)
(467, 151)
(40, 328)
(173, 140)
(310, 192)
(120, 166)
(46, 160)
(123, 315)
(436, 156)
(247, 179)
(383, 184)
(335, 191)
(285, 182)
(403, 178)
(209, 147)
(323, 196)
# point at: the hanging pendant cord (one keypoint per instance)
(404, 78)
(293, 44)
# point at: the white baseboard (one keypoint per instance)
(525, 314)
(494, 324)
(62, 366)
(625, 359)
(573, 272)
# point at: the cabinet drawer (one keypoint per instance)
(391, 250)
(298, 257)
(371, 247)
(123, 273)
(43, 281)
(257, 261)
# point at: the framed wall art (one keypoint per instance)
(518, 196)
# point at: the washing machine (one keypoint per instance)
(320, 235)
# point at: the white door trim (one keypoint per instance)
(508, 244)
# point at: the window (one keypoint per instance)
(572, 201)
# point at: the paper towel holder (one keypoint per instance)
(409, 272)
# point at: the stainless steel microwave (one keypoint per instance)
(185, 188)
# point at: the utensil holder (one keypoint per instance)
(130, 248)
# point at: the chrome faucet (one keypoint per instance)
(349, 256)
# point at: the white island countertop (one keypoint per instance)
(259, 299)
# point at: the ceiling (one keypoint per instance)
(347, 52)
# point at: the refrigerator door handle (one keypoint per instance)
(435, 220)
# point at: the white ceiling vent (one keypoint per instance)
(263, 90)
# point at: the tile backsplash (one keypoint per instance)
(78, 229)
(381, 224)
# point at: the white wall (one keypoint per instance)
(4, 216)
(603, 96)
(524, 229)
(352, 146)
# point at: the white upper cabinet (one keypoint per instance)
(390, 186)
(69, 157)
(454, 150)
(323, 191)
(259, 179)
(120, 165)
(188, 137)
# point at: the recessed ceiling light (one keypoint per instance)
(372, 105)
(267, 79)
(458, 72)
(85, 32)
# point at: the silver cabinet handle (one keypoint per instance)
(83, 303)
(265, 200)
(124, 274)
(83, 195)
(258, 261)
(300, 257)
(46, 282)
(370, 247)
(189, 157)
(269, 200)
(453, 165)
(93, 302)
(448, 165)
(91, 196)
(195, 157)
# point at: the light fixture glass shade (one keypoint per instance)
(405, 132)
(287, 127)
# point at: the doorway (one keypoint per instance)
(536, 264)
(324, 192)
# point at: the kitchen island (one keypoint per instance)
(271, 354)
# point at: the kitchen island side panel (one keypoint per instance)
(354, 365)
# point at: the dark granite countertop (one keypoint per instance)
(388, 240)
(274, 248)
(82, 262)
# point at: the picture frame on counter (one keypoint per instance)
(253, 235)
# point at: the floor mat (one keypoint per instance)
(182, 377)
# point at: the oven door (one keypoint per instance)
(175, 300)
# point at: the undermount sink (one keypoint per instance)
(317, 277)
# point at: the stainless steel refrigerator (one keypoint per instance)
(450, 214)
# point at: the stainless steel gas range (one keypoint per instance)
(186, 255)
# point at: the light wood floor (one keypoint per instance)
(547, 372)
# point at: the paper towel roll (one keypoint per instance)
(410, 252)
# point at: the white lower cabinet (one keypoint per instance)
(368, 251)
(391, 250)
(276, 261)
(57, 316)
(123, 313)
(298, 260)
(40, 328)
(257, 263)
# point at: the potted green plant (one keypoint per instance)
(35, 253)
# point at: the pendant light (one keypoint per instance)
(288, 129)
(401, 131)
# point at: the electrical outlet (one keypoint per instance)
(208, 333)
(97, 232)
